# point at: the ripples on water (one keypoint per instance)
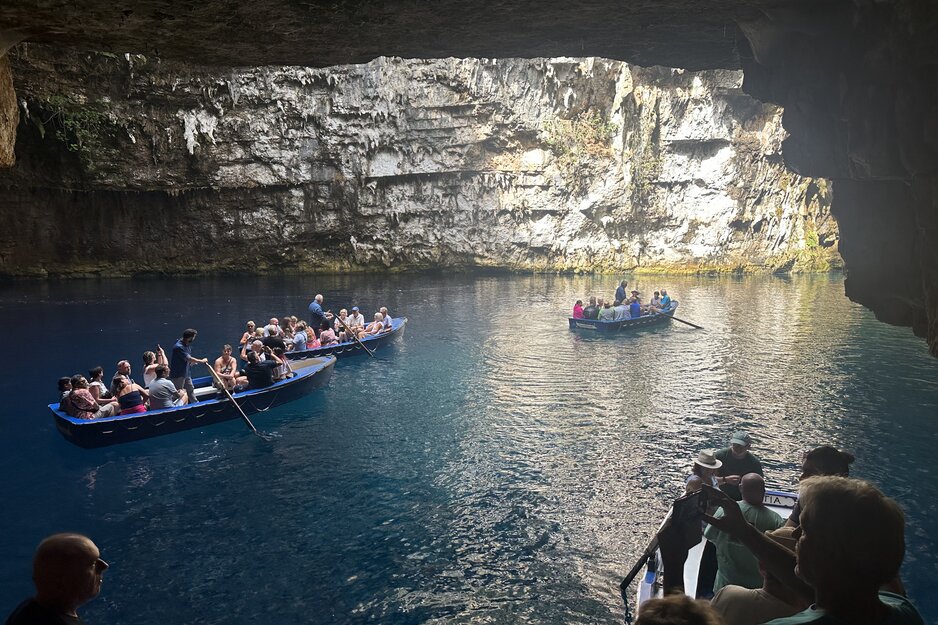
(492, 468)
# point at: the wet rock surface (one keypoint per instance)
(562, 164)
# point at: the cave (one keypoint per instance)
(856, 80)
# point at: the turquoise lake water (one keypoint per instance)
(492, 467)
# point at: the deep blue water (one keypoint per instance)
(491, 468)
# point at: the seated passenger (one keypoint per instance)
(824, 460)
(608, 313)
(131, 397)
(635, 308)
(163, 393)
(257, 348)
(387, 318)
(81, 405)
(284, 371)
(327, 335)
(273, 328)
(298, 344)
(248, 334)
(578, 309)
(227, 368)
(259, 374)
(288, 325)
(65, 387)
(622, 311)
(122, 373)
(665, 299)
(591, 311)
(96, 385)
(356, 320)
(374, 328)
(151, 360)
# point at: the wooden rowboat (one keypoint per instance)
(606, 327)
(351, 348)
(311, 374)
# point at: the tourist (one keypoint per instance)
(226, 368)
(655, 300)
(96, 385)
(163, 393)
(273, 340)
(620, 291)
(753, 606)
(327, 335)
(578, 309)
(248, 333)
(851, 543)
(131, 396)
(259, 374)
(284, 370)
(273, 328)
(339, 325)
(151, 360)
(65, 387)
(181, 361)
(374, 328)
(288, 325)
(122, 373)
(737, 461)
(591, 311)
(81, 405)
(356, 320)
(677, 609)
(704, 473)
(622, 311)
(635, 307)
(824, 460)
(387, 318)
(608, 313)
(67, 573)
(665, 299)
(254, 346)
(300, 338)
(735, 564)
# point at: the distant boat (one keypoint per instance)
(311, 374)
(351, 348)
(624, 324)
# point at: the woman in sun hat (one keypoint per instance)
(703, 472)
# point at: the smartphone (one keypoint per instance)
(690, 507)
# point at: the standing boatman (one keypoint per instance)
(316, 314)
(620, 292)
(179, 364)
(737, 461)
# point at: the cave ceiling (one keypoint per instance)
(858, 80)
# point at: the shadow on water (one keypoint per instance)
(492, 467)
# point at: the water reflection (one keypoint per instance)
(494, 467)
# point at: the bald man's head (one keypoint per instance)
(67, 571)
(752, 487)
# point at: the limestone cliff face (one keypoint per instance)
(128, 164)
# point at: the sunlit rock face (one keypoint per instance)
(9, 114)
(562, 164)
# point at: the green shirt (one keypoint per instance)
(901, 612)
(732, 466)
(735, 564)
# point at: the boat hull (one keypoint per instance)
(352, 348)
(609, 327)
(124, 429)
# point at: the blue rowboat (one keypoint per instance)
(644, 321)
(351, 348)
(310, 375)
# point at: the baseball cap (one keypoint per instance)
(740, 438)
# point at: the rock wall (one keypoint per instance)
(128, 164)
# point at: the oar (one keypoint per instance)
(355, 336)
(221, 385)
(693, 325)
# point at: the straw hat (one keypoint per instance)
(707, 460)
